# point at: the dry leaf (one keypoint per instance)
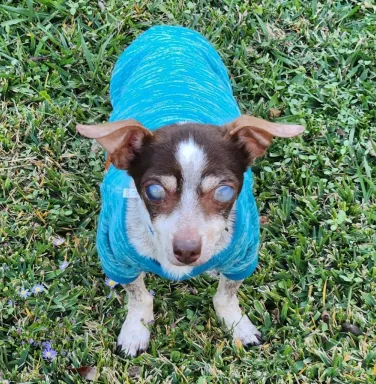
(275, 315)
(351, 328)
(193, 290)
(134, 371)
(88, 373)
(347, 357)
(239, 344)
(29, 314)
(38, 58)
(341, 132)
(264, 220)
(325, 317)
(95, 147)
(274, 112)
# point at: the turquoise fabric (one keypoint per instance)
(170, 75)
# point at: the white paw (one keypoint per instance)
(134, 337)
(246, 332)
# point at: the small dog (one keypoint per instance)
(177, 199)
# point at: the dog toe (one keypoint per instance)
(254, 343)
(118, 349)
(247, 333)
(260, 339)
(133, 339)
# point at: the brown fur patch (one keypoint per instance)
(127, 150)
(255, 134)
(108, 162)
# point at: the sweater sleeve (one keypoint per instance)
(242, 258)
(115, 265)
(248, 265)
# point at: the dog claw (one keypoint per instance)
(125, 353)
(260, 339)
(118, 350)
(140, 352)
(251, 345)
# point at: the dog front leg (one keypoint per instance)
(226, 305)
(135, 334)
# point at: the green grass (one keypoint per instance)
(312, 61)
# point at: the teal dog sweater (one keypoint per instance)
(170, 75)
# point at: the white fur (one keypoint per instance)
(169, 182)
(135, 334)
(140, 227)
(191, 157)
(192, 161)
(209, 183)
(226, 305)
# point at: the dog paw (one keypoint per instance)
(134, 338)
(247, 333)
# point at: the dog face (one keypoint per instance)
(188, 176)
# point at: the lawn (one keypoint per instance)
(313, 295)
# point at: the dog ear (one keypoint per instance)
(121, 139)
(255, 134)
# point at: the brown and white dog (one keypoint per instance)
(187, 177)
(189, 162)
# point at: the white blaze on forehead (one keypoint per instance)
(192, 160)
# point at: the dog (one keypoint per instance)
(177, 198)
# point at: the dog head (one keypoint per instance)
(188, 175)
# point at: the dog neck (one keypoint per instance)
(145, 239)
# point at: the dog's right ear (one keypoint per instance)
(121, 139)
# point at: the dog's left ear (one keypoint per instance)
(121, 139)
(255, 134)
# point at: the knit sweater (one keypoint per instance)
(170, 75)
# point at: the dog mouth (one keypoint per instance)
(178, 263)
(186, 261)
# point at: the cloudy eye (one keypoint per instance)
(155, 192)
(224, 194)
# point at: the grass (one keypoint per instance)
(304, 61)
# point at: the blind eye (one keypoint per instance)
(224, 194)
(155, 192)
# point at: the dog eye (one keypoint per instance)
(155, 192)
(224, 194)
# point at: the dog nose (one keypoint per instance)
(187, 249)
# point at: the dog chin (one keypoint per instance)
(172, 260)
